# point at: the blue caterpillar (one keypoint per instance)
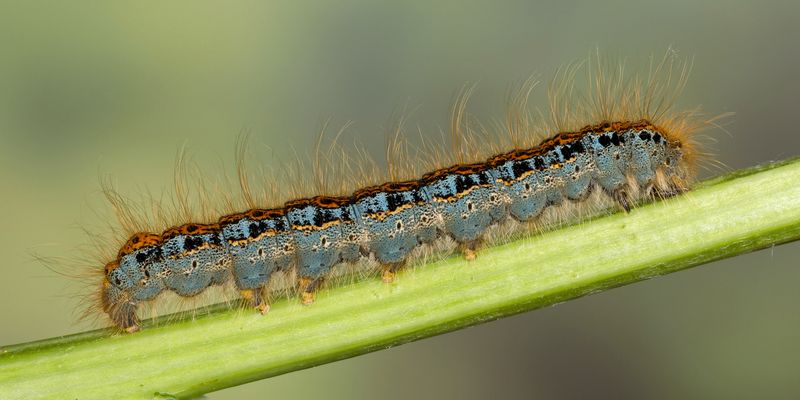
(622, 159)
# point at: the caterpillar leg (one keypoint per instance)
(670, 190)
(308, 289)
(470, 249)
(124, 316)
(622, 198)
(389, 271)
(255, 299)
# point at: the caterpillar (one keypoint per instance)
(625, 143)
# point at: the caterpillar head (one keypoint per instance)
(126, 279)
(116, 298)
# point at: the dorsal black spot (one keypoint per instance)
(192, 242)
(466, 182)
(215, 240)
(518, 168)
(657, 138)
(256, 229)
(615, 139)
(538, 162)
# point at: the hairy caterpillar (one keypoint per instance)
(620, 139)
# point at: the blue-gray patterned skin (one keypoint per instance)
(354, 236)
(258, 248)
(525, 189)
(121, 277)
(318, 237)
(195, 262)
(647, 155)
(469, 202)
(575, 173)
(396, 223)
(391, 220)
(611, 159)
(145, 268)
(121, 282)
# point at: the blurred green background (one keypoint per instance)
(88, 88)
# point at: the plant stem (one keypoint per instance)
(742, 212)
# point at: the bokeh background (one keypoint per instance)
(89, 88)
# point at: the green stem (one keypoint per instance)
(742, 212)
